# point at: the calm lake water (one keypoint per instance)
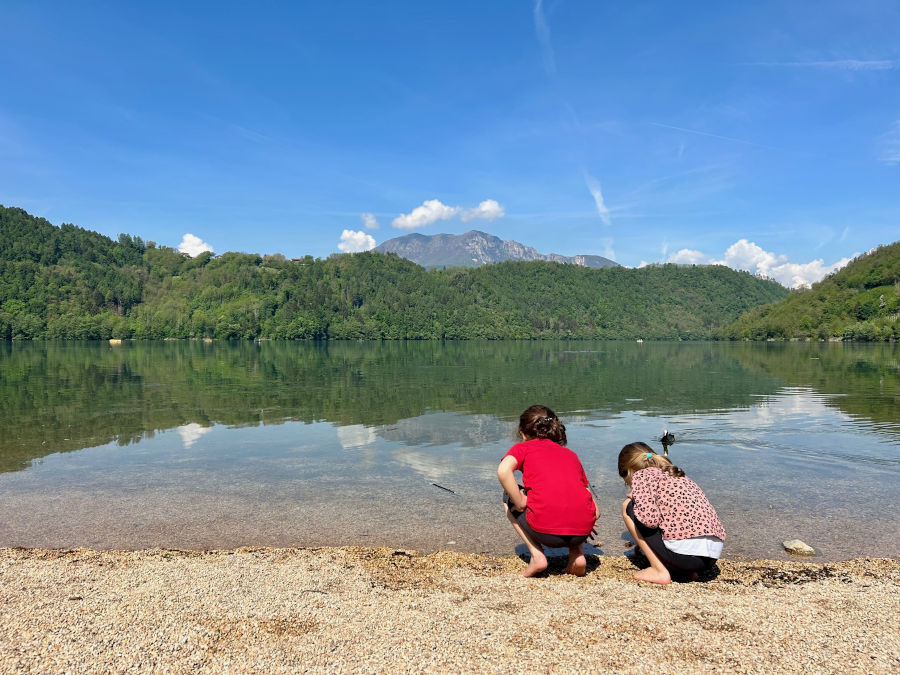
(191, 445)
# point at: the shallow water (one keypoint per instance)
(186, 445)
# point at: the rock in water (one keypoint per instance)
(797, 547)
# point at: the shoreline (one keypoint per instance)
(355, 608)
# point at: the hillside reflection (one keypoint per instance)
(68, 396)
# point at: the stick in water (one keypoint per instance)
(443, 488)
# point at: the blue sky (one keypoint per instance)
(765, 135)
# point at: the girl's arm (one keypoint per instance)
(587, 486)
(594, 502)
(505, 472)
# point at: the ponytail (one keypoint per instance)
(638, 455)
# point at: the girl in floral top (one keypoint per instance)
(669, 517)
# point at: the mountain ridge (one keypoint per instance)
(475, 248)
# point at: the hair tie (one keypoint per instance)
(649, 455)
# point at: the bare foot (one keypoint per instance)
(537, 565)
(577, 565)
(653, 576)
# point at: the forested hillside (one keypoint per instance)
(70, 283)
(859, 302)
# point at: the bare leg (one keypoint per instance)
(538, 562)
(577, 563)
(657, 573)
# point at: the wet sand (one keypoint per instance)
(379, 609)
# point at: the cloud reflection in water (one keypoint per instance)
(191, 433)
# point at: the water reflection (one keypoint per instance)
(355, 436)
(195, 445)
(185, 444)
(467, 431)
(191, 433)
(60, 397)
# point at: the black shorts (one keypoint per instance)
(544, 538)
(674, 562)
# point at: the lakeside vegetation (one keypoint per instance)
(859, 302)
(69, 283)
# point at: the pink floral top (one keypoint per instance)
(677, 506)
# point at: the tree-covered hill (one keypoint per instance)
(859, 302)
(70, 283)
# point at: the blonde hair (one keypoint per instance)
(636, 456)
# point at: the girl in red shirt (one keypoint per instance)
(554, 507)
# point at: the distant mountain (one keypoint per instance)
(475, 248)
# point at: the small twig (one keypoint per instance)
(443, 488)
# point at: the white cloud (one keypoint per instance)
(747, 256)
(837, 64)
(353, 241)
(433, 210)
(796, 275)
(486, 210)
(369, 221)
(889, 145)
(542, 31)
(193, 246)
(593, 185)
(687, 256)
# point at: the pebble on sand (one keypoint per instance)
(797, 547)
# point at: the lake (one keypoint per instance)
(193, 445)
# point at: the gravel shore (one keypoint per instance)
(365, 609)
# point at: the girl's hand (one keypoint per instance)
(521, 502)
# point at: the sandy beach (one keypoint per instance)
(367, 609)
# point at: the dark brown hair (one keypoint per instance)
(541, 422)
(637, 456)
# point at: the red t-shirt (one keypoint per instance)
(558, 499)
